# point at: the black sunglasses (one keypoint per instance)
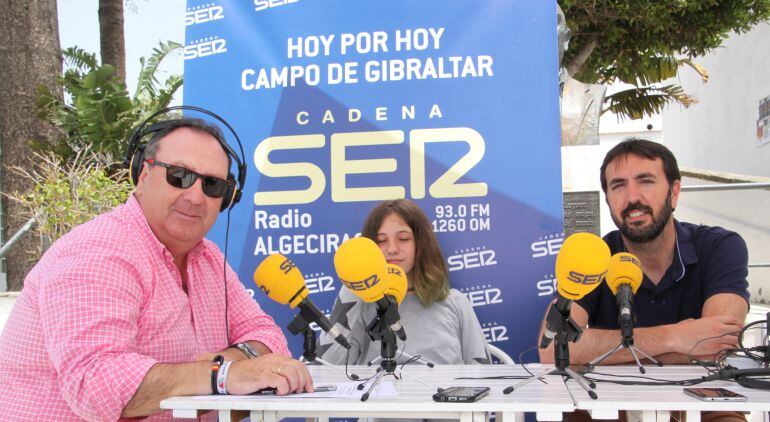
(180, 177)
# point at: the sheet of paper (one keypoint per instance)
(343, 390)
(349, 389)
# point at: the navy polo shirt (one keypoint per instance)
(707, 261)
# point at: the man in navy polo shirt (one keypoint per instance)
(694, 296)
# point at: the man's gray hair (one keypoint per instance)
(167, 126)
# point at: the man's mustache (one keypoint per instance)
(636, 206)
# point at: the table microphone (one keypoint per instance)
(580, 267)
(397, 283)
(624, 276)
(362, 268)
(283, 282)
(395, 291)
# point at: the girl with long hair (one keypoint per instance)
(439, 321)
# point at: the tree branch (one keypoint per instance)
(577, 62)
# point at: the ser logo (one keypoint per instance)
(631, 259)
(587, 279)
(470, 258)
(395, 270)
(260, 5)
(202, 14)
(494, 332)
(547, 286)
(319, 283)
(364, 284)
(208, 46)
(484, 295)
(287, 265)
(445, 186)
(546, 246)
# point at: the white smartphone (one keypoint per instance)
(714, 394)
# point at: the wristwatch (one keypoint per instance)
(247, 350)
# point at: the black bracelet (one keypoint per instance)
(216, 363)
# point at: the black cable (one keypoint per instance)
(413, 359)
(742, 351)
(720, 362)
(748, 382)
(352, 377)
(748, 378)
(651, 380)
(747, 351)
(224, 275)
(401, 354)
(716, 370)
(690, 356)
(521, 362)
(495, 377)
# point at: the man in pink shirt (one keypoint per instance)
(130, 308)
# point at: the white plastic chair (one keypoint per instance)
(499, 354)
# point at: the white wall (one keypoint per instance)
(719, 133)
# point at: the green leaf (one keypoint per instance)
(147, 83)
(79, 59)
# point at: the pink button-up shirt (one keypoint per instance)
(103, 305)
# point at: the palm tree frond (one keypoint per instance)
(148, 74)
(645, 71)
(637, 103)
(79, 58)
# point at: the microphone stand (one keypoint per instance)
(390, 316)
(301, 325)
(566, 331)
(379, 329)
(408, 357)
(626, 341)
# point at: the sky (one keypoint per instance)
(146, 23)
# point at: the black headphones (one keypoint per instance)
(135, 152)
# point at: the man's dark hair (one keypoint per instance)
(168, 126)
(646, 149)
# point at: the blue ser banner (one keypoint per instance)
(342, 104)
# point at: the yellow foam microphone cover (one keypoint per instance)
(624, 268)
(360, 266)
(397, 283)
(581, 265)
(281, 280)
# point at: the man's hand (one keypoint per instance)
(690, 336)
(285, 374)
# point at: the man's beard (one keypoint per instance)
(647, 233)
